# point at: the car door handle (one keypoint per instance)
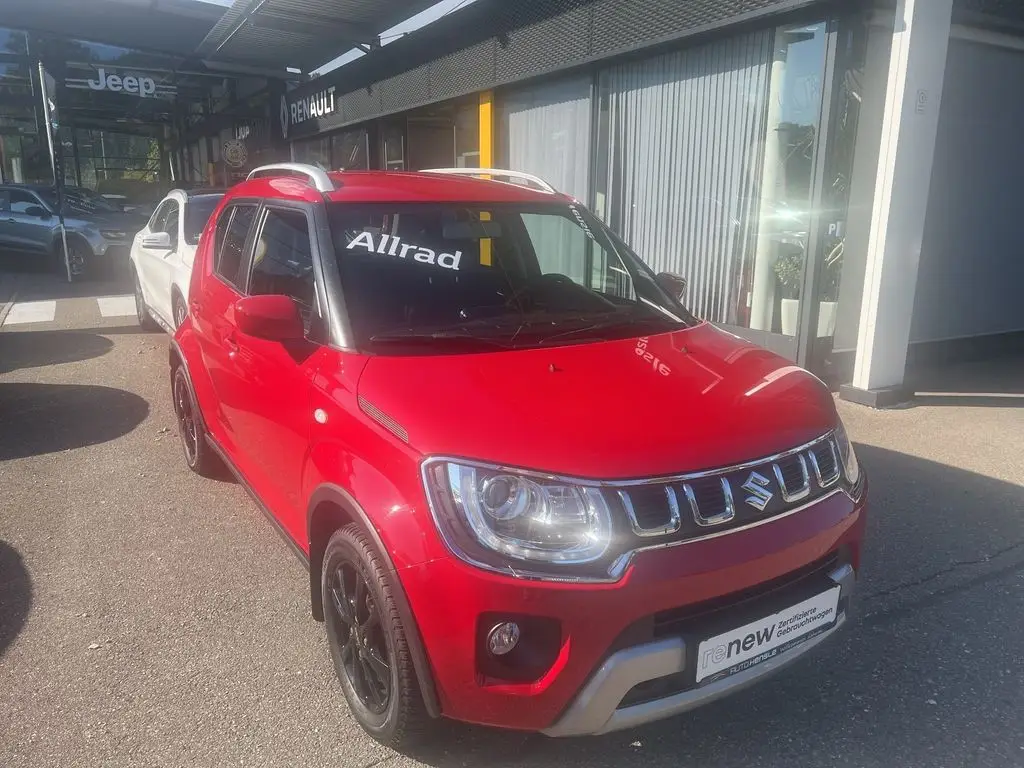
(12, 221)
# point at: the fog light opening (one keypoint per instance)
(503, 638)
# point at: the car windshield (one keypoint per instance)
(430, 278)
(197, 213)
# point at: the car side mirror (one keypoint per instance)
(158, 241)
(271, 317)
(37, 211)
(673, 284)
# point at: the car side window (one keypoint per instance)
(282, 261)
(170, 223)
(158, 217)
(232, 231)
(21, 201)
(5, 200)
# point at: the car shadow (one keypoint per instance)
(15, 595)
(36, 349)
(37, 419)
(924, 667)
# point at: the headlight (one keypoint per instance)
(851, 467)
(114, 234)
(486, 512)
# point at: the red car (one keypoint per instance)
(532, 489)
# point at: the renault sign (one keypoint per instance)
(299, 111)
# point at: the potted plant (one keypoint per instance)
(789, 273)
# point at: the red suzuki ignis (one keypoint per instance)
(532, 489)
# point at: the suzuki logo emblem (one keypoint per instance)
(757, 486)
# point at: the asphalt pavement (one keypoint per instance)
(152, 618)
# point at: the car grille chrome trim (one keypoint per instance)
(673, 524)
(803, 491)
(830, 479)
(727, 513)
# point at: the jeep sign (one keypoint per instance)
(132, 84)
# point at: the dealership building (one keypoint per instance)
(834, 180)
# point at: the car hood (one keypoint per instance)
(676, 402)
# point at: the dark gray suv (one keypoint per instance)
(97, 229)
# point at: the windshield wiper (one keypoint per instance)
(616, 321)
(430, 337)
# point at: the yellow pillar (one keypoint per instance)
(486, 160)
(487, 129)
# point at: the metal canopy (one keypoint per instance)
(175, 27)
(304, 34)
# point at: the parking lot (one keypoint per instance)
(149, 617)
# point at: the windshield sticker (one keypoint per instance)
(391, 245)
(583, 224)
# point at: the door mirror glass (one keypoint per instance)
(160, 241)
(37, 211)
(673, 284)
(271, 316)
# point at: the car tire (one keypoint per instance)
(368, 642)
(142, 313)
(199, 456)
(81, 257)
(179, 309)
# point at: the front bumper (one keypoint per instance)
(612, 638)
(597, 708)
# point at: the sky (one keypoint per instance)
(389, 35)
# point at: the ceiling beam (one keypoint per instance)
(315, 26)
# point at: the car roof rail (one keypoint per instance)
(498, 173)
(317, 177)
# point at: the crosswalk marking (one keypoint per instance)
(34, 312)
(116, 306)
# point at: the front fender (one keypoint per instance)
(392, 504)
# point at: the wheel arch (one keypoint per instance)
(332, 507)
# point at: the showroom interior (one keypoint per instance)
(834, 180)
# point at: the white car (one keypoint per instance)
(162, 255)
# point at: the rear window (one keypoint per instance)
(424, 277)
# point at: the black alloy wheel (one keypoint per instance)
(369, 643)
(185, 414)
(364, 649)
(198, 455)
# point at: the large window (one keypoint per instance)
(349, 151)
(314, 152)
(704, 166)
(545, 130)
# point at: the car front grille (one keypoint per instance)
(692, 506)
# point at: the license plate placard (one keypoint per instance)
(760, 640)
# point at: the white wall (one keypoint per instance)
(971, 274)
